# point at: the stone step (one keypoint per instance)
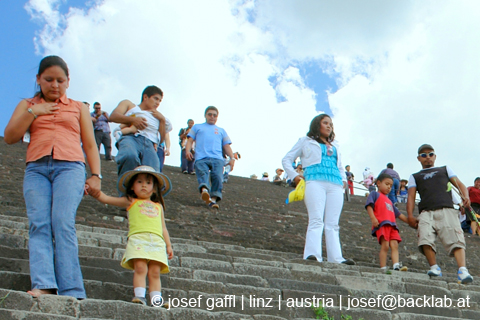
(20, 305)
(293, 305)
(184, 266)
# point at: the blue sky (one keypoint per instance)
(19, 60)
(380, 68)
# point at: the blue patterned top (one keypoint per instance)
(327, 170)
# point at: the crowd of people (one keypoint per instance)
(63, 133)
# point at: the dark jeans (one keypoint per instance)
(186, 164)
(393, 192)
(161, 157)
(105, 139)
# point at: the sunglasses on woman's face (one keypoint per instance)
(424, 155)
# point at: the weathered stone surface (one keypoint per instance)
(251, 249)
(204, 264)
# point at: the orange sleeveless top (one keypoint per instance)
(57, 135)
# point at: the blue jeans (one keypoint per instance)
(134, 151)
(214, 167)
(186, 164)
(393, 192)
(161, 157)
(53, 190)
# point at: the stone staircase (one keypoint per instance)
(243, 262)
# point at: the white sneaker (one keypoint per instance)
(435, 272)
(463, 276)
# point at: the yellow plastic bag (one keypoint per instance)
(298, 193)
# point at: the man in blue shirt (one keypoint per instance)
(211, 143)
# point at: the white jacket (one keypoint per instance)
(310, 153)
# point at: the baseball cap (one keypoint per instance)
(423, 147)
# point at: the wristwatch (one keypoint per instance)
(97, 175)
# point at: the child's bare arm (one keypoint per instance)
(128, 130)
(403, 218)
(166, 237)
(372, 217)
(122, 202)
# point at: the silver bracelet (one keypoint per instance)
(31, 111)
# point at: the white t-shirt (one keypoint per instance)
(151, 131)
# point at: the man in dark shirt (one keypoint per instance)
(102, 130)
(437, 215)
(186, 164)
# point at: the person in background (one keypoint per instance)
(368, 180)
(228, 168)
(163, 150)
(403, 191)
(396, 182)
(277, 179)
(474, 194)
(102, 130)
(264, 177)
(187, 166)
(350, 178)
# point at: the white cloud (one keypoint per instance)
(407, 71)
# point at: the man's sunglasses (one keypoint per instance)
(424, 155)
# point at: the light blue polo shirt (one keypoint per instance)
(209, 140)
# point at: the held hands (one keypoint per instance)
(413, 222)
(42, 109)
(93, 186)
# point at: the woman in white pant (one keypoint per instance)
(325, 180)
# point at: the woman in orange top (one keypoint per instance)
(54, 181)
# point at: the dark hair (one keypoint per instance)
(151, 90)
(189, 120)
(211, 108)
(156, 195)
(383, 176)
(390, 165)
(47, 62)
(95, 104)
(314, 132)
(477, 178)
(347, 166)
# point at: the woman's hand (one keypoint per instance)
(42, 109)
(93, 185)
(298, 178)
